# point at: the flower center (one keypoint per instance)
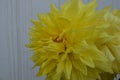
(58, 39)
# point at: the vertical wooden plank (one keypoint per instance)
(12, 40)
(4, 49)
(24, 13)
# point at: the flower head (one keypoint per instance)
(76, 42)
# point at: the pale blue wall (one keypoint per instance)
(14, 24)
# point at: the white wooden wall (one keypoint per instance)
(14, 24)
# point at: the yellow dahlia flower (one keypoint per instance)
(76, 42)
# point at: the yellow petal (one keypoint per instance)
(80, 66)
(76, 75)
(115, 50)
(87, 60)
(104, 66)
(46, 67)
(73, 8)
(93, 74)
(108, 53)
(68, 68)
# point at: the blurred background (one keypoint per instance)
(15, 18)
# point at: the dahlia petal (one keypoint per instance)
(96, 54)
(68, 68)
(53, 9)
(51, 75)
(44, 70)
(76, 75)
(116, 66)
(108, 53)
(73, 8)
(104, 66)
(78, 65)
(87, 60)
(107, 76)
(90, 8)
(115, 50)
(60, 67)
(93, 74)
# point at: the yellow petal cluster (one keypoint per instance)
(76, 42)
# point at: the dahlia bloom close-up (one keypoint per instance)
(76, 42)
